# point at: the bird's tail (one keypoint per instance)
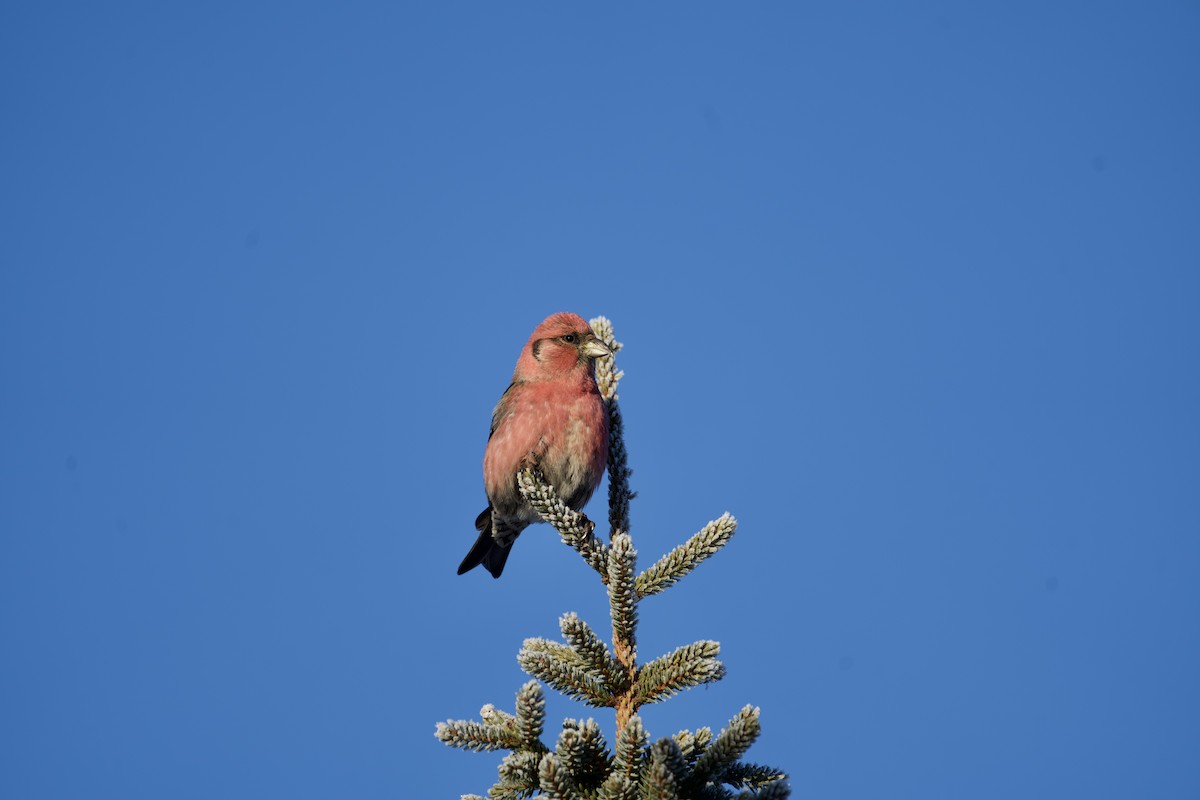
(486, 550)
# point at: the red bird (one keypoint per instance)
(551, 418)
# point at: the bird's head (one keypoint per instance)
(562, 344)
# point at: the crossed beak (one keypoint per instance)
(594, 348)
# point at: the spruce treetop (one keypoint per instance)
(698, 764)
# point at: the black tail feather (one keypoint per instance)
(485, 550)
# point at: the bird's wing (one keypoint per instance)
(502, 407)
(518, 428)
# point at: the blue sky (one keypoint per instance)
(911, 291)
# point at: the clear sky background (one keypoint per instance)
(910, 289)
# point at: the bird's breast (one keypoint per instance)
(562, 433)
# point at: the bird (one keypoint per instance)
(552, 419)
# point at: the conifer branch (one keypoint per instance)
(518, 776)
(667, 750)
(607, 379)
(583, 753)
(687, 745)
(617, 787)
(574, 528)
(729, 745)
(776, 790)
(555, 781)
(622, 562)
(660, 783)
(597, 759)
(571, 753)
(688, 666)
(619, 493)
(628, 758)
(518, 732)
(557, 651)
(531, 716)
(752, 776)
(562, 668)
(622, 565)
(667, 571)
(625, 776)
(592, 652)
(607, 376)
(467, 735)
(693, 744)
(501, 719)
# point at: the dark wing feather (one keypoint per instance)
(501, 409)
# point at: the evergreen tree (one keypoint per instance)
(691, 764)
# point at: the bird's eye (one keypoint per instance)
(569, 338)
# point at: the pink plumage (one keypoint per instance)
(551, 418)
